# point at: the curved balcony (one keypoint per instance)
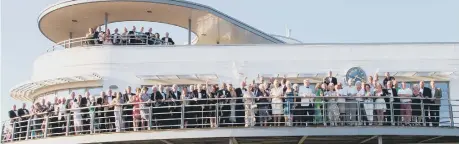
(238, 120)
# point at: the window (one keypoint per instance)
(79, 91)
(95, 91)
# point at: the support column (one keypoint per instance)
(380, 140)
(106, 21)
(189, 31)
(70, 39)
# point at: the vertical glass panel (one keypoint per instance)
(95, 91)
(444, 104)
(63, 93)
(79, 91)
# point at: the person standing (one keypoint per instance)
(428, 103)
(436, 103)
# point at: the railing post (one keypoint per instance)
(182, 116)
(91, 126)
(323, 113)
(149, 116)
(422, 113)
(217, 115)
(451, 115)
(359, 117)
(45, 133)
(392, 113)
(120, 119)
(67, 125)
(289, 122)
(28, 128)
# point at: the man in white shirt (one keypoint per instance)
(360, 92)
(351, 106)
(307, 93)
(406, 111)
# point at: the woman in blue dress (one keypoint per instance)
(289, 96)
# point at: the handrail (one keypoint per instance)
(122, 39)
(217, 112)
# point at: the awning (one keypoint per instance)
(25, 90)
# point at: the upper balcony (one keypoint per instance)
(72, 18)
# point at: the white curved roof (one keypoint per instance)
(211, 26)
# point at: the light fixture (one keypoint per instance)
(149, 11)
(74, 21)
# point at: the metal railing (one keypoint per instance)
(229, 112)
(130, 39)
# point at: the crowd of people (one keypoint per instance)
(132, 37)
(267, 103)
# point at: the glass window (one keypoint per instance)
(63, 93)
(79, 91)
(95, 91)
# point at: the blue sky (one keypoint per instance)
(311, 21)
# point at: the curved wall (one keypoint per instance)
(119, 65)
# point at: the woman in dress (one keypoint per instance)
(416, 105)
(332, 106)
(107, 37)
(263, 106)
(117, 103)
(289, 96)
(276, 103)
(249, 109)
(144, 109)
(368, 104)
(318, 103)
(380, 103)
(212, 93)
(232, 103)
(136, 109)
(77, 118)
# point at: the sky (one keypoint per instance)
(311, 21)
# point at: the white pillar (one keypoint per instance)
(106, 21)
(380, 140)
(189, 31)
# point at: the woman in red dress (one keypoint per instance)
(136, 109)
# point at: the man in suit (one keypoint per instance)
(427, 94)
(127, 109)
(388, 78)
(330, 79)
(391, 92)
(110, 110)
(167, 39)
(116, 37)
(14, 118)
(176, 92)
(131, 36)
(158, 97)
(436, 101)
(84, 104)
(23, 114)
(225, 109)
(96, 36)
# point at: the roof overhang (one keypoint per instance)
(29, 90)
(76, 16)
